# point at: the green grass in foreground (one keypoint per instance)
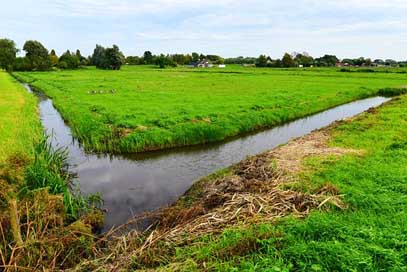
(371, 235)
(155, 109)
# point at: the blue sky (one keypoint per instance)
(347, 28)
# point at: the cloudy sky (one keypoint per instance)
(347, 28)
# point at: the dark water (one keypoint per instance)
(133, 184)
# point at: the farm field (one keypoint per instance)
(142, 108)
(356, 172)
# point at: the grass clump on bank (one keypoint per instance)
(142, 108)
(43, 222)
(356, 171)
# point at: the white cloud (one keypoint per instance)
(229, 27)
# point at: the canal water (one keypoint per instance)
(133, 184)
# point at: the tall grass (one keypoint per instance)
(50, 169)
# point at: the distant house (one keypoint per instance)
(202, 64)
(222, 66)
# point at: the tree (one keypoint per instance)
(54, 58)
(327, 60)
(22, 64)
(69, 60)
(215, 59)
(98, 56)
(379, 62)
(8, 52)
(148, 57)
(37, 55)
(82, 59)
(133, 60)
(163, 61)
(195, 57)
(108, 58)
(262, 61)
(287, 61)
(304, 60)
(78, 54)
(114, 58)
(179, 59)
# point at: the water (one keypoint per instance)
(131, 185)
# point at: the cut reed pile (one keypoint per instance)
(252, 191)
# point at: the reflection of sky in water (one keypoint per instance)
(134, 184)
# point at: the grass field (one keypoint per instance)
(19, 122)
(152, 109)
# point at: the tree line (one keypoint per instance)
(39, 58)
(305, 60)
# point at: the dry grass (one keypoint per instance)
(46, 241)
(251, 193)
(289, 157)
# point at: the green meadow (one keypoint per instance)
(141, 108)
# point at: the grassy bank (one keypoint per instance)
(19, 123)
(334, 200)
(143, 108)
(43, 220)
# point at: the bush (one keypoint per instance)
(389, 92)
(62, 65)
(22, 64)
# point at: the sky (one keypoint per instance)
(346, 28)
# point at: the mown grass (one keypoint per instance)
(370, 235)
(144, 108)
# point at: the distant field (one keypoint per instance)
(144, 108)
(19, 124)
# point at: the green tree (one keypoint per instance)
(133, 60)
(22, 64)
(179, 59)
(78, 54)
(327, 61)
(37, 55)
(304, 60)
(69, 60)
(195, 57)
(54, 58)
(8, 52)
(262, 61)
(98, 58)
(148, 57)
(108, 58)
(215, 59)
(114, 58)
(163, 61)
(287, 61)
